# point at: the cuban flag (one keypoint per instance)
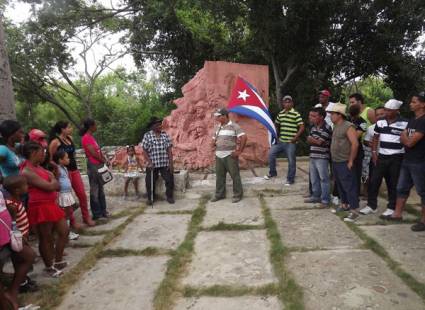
(245, 100)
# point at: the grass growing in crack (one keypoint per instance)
(224, 226)
(167, 290)
(231, 291)
(176, 212)
(150, 251)
(289, 292)
(373, 245)
(87, 232)
(51, 295)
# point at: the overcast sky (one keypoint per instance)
(20, 12)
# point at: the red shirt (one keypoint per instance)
(21, 216)
(87, 140)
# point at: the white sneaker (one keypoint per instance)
(288, 184)
(367, 210)
(388, 212)
(73, 235)
(268, 177)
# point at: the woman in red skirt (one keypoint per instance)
(43, 211)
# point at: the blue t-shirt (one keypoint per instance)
(64, 181)
(9, 162)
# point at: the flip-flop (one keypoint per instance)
(29, 307)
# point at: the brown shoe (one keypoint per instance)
(90, 222)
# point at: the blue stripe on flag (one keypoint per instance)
(249, 113)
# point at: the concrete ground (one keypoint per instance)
(205, 256)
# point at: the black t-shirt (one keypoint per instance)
(416, 154)
(360, 125)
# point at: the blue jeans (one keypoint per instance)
(320, 181)
(411, 174)
(289, 150)
(97, 195)
(347, 184)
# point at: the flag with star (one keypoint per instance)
(245, 100)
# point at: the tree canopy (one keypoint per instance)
(308, 45)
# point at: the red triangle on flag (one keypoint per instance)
(243, 94)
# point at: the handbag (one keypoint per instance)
(105, 174)
(15, 238)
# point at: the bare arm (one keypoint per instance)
(94, 154)
(242, 142)
(352, 137)
(34, 180)
(375, 143)
(301, 129)
(53, 148)
(371, 116)
(148, 160)
(412, 140)
(315, 141)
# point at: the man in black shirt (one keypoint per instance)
(360, 125)
(412, 171)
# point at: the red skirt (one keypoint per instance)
(39, 213)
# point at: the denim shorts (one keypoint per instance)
(411, 174)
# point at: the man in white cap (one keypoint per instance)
(229, 141)
(387, 155)
(344, 148)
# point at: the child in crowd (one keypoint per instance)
(16, 187)
(22, 261)
(43, 211)
(131, 168)
(66, 199)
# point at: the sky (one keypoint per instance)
(20, 12)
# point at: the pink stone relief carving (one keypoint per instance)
(191, 125)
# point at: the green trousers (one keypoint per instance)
(222, 166)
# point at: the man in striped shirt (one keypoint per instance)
(291, 126)
(320, 142)
(387, 160)
(229, 141)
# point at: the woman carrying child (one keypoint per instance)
(43, 211)
(131, 167)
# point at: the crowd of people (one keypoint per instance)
(39, 175)
(357, 147)
(352, 149)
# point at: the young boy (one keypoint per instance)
(14, 188)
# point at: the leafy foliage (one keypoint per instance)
(123, 104)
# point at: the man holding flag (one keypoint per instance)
(291, 127)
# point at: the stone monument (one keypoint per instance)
(191, 125)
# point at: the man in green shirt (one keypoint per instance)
(290, 126)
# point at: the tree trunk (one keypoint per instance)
(7, 100)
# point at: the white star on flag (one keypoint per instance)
(243, 95)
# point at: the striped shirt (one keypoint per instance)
(21, 215)
(389, 136)
(226, 138)
(289, 123)
(323, 133)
